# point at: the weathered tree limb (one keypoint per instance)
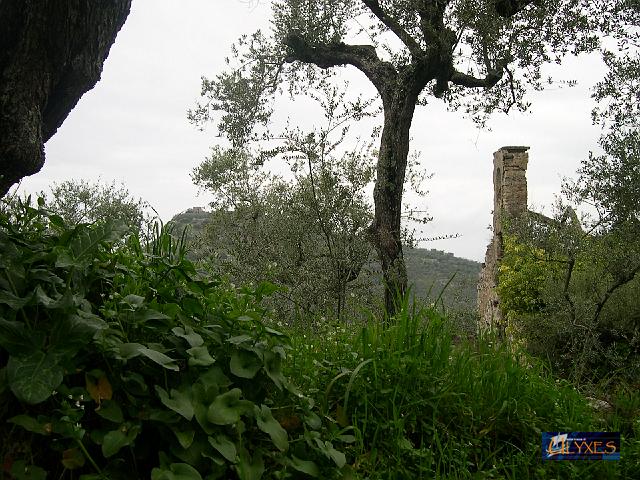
(51, 53)
(393, 25)
(509, 8)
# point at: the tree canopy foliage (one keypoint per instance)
(480, 56)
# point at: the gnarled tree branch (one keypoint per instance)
(363, 57)
(393, 25)
(509, 8)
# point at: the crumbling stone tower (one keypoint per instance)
(509, 200)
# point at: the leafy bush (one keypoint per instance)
(129, 365)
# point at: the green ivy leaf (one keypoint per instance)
(116, 439)
(113, 442)
(14, 302)
(111, 411)
(179, 402)
(249, 468)
(131, 350)
(15, 338)
(176, 471)
(21, 471)
(200, 357)
(33, 378)
(244, 364)
(225, 447)
(185, 437)
(269, 425)
(30, 424)
(192, 338)
(304, 466)
(227, 408)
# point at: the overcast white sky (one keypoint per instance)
(132, 127)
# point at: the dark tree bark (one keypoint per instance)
(51, 53)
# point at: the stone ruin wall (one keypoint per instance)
(509, 199)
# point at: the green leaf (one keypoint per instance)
(179, 402)
(185, 437)
(72, 333)
(249, 468)
(304, 466)
(193, 339)
(113, 442)
(30, 424)
(116, 439)
(227, 408)
(327, 448)
(200, 356)
(111, 411)
(131, 350)
(244, 364)
(225, 447)
(72, 459)
(269, 425)
(272, 365)
(14, 302)
(133, 300)
(244, 338)
(15, 338)
(21, 471)
(176, 471)
(33, 378)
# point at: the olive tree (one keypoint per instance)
(307, 233)
(478, 55)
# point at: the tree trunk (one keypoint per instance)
(51, 53)
(387, 195)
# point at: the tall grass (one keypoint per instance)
(420, 406)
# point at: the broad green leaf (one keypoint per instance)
(149, 314)
(244, 364)
(244, 338)
(116, 439)
(227, 408)
(41, 298)
(176, 471)
(272, 362)
(225, 447)
(327, 448)
(113, 442)
(200, 356)
(33, 378)
(185, 437)
(72, 459)
(14, 302)
(193, 339)
(269, 425)
(21, 471)
(304, 466)
(73, 333)
(179, 402)
(249, 468)
(133, 300)
(131, 350)
(30, 424)
(15, 338)
(160, 359)
(111, 411)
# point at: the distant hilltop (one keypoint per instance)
(429, 270)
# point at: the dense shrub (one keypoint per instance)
(118, 361)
